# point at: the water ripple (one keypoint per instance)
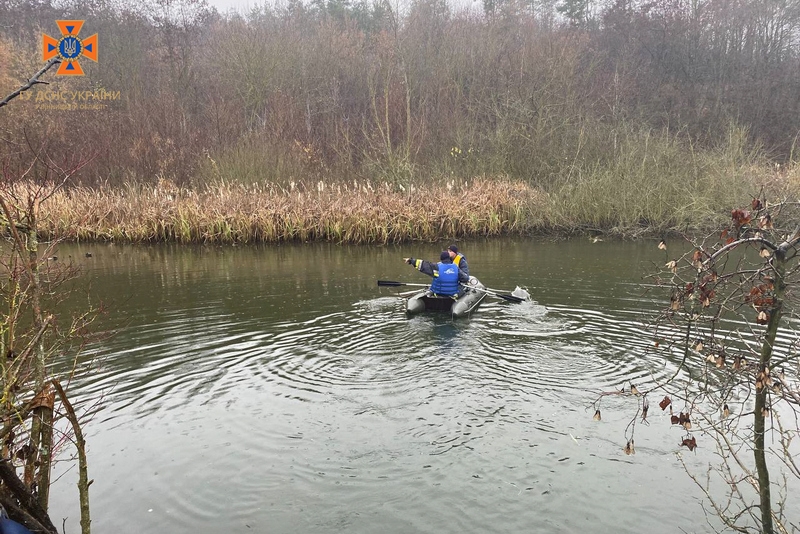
(370, 347)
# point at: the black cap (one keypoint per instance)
(444, 256)
(453, 248)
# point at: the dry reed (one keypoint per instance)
(356, 212)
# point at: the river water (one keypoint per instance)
(278, 389)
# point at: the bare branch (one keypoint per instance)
(31, 82)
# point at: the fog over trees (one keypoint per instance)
(341, 89)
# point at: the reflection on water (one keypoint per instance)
(279, 390)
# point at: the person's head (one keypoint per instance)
(452, 250)
(445, 257)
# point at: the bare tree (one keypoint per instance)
(737, 360)
(32, 336)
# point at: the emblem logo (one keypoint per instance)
(70, 48)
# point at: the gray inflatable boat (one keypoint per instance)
(468, 301)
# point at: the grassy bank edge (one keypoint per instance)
(364, 212)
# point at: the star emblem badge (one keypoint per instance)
(70, 48)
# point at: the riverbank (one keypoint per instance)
(364, 212)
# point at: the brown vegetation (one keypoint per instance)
(625, 115)
(369, 212)
(355, 212)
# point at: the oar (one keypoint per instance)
(389, 283)
(510, 298)
(519, 291)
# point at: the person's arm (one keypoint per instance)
(462, 276)
(463, 265)
(423, 266)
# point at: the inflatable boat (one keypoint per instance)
(467, 301)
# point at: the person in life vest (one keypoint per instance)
(459, 259)
(447, 277)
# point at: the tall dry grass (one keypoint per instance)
(354, 212)
(644, 193)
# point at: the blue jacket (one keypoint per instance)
(432, 269)
(9, 526)
(445, 279)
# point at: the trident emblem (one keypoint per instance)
(69, 48)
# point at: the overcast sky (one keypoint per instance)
(239, 5)
(244, 6)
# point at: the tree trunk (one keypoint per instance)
(37, 468)
(763, 380)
